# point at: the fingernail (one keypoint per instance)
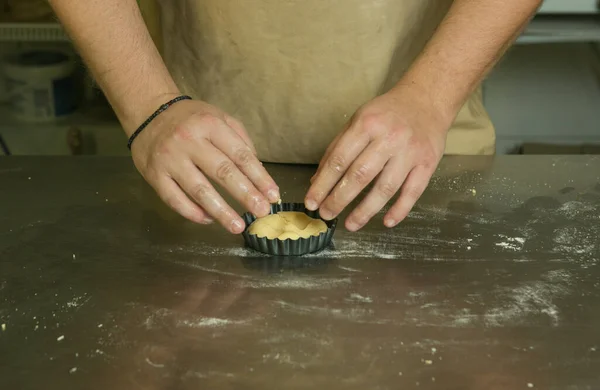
(311, 204)
(389, 222)
(273, 196)
(326, 214)
(237, 226)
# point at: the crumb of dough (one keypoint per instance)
(287, 225)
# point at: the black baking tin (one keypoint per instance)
(289, 247)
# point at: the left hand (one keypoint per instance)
(398, 138)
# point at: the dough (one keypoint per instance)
(287, 224)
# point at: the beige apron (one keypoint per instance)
(295, 71)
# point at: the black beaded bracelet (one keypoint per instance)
(162, 109)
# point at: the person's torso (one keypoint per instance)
(295, 71)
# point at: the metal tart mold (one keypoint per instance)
(289, 247)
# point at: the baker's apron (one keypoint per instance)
(295, 71)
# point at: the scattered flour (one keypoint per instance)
(208, 322)
(575, 208)
(348, 269)
(155, 365)
(359, 298)
(163, 317)
(288, 359)
(512, 243)
(305, 337)
(281, 282)
(566, 235)
(296, 282)
(572, 240)
(363, 244)
(201, 375)
(561, 276)
(529, 299)
(211, 270)
(523, 304)
(77, 302)
(356, 314)
(345, 249)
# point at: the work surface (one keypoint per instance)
(493, 282)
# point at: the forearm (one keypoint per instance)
(116, 45)
(468, 43)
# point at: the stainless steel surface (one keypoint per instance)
(491, 283)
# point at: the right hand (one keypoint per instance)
(191, 142)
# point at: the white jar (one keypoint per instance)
(41, 84)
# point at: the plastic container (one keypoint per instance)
(41, 84)
(289, 247)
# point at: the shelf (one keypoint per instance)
(32, 32)
(557, 29)
(543, 29)
(90, 115)
(569, 6)
(93, 130)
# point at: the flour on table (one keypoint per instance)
(160, 318)
(360, 298)
(575, 208)
(155, 365)
(356, 314)
(349, 269)
(208, 322)
(512, 243)
(77, 302)
(522, 304)
(278, 281)
(296, 282)
(362, 244)
(209, 374)
(530, 299)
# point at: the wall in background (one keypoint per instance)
(546, 93)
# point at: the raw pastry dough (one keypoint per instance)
(287, 224)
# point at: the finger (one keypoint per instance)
(328, 151)
(412, 189)
(386, 186)
(362, 171)
(220, 168)
(255, 175)
(349, 146)
(197, 186)
(175, 198)
(325, 157)
(239, 128)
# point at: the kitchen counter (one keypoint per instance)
(492, 282)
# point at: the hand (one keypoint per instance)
(191, 142)
(398, 138)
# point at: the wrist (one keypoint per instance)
(427, 103)
(136, 112)
(152, 117)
